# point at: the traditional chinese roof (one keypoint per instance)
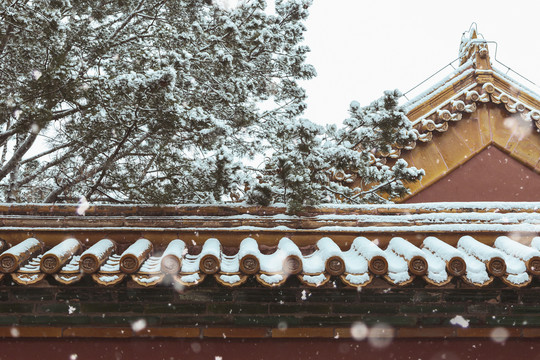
(333, 273)
(475, 107)
(474, 242)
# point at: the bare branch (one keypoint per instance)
(53, 195)
(19, 153)
(110, 160)
(147, 167)
(127, 20)
(56, 116)
(50, 151)
(62, 114)
(6, 134)
(135, 37)
(42, 168)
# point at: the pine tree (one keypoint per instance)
(356, 163)
(368, 147)
(157, 101)
(142, 100)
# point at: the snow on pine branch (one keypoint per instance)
(159, 102)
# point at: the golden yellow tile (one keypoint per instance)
(482, 114)
(502, 125)
(430, 104)
(506, 87)
(468, 130)
(426, 156)
(520, 129)
(528, 100)
(528, 149)
(429, 332)
(419, 110)
(236, 332)
(321, 332)
(452, 148)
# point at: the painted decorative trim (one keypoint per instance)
(466, 102)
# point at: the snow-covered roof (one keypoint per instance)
(473, 108)
(474, 82)
(474, 242)
(399, 263)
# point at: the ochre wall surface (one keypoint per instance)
(491, 175)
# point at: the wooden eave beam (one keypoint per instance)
(344, 224)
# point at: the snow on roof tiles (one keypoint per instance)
(473, 83)
(474, 242)
(434, 261)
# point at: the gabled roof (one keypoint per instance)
(475, 107)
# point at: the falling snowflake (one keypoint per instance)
(380, 336)
(138, 325)
(36, 74)
(460, 321)
(179, 288)
(83, 206)
(359, 331)
(500, 334)
(196, 347)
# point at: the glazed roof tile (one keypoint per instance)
(475, 107)
(434, 261)
(474, 242)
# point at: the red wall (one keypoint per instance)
(246, 349)
(491, 175)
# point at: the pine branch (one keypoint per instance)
(127, 20)
(335, 192)
(5, 38)
(374, 189)
(15, 128)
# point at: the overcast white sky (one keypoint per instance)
(361, 48)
